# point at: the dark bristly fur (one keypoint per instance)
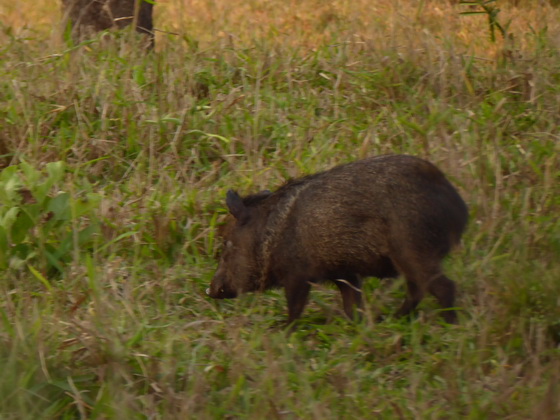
(382, 216)
(91, 16)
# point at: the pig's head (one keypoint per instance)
(238, 270)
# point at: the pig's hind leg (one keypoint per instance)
(443, 289)
(418, 274)
(421, 277)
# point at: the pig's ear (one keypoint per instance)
(264, 193)
(236, 206)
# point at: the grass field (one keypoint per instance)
(115, 167)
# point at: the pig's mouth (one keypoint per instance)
(221, 293)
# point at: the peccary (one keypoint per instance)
(90, 16)
(381, 216)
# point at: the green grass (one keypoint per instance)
(106, 255)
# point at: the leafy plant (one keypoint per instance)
(42, 226)
(488, 8)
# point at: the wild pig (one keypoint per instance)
(381, 216)
(91, 16)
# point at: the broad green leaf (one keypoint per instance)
(83, 206)
(55, 171)
(9, 218)
(21, 227)
(8, 173)
(60, 207)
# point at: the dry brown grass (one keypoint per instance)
(407, 24)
